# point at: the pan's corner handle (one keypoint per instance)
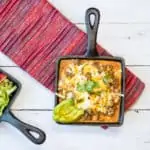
(92, 29)
(26, 129)
(96, 13)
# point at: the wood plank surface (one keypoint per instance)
(134, 134)
(113, 11)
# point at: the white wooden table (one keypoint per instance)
(124, 31)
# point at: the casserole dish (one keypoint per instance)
(112, 114)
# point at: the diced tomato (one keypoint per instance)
(2, 77)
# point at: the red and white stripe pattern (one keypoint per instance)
(34, 34)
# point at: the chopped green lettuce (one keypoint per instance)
(8, 86)
(6, 89)
(4, 100)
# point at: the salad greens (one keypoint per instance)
(4, 100)
(66, 112)
(7, 87)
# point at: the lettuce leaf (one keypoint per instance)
(4, 100)
(8, 86)
(6, 89)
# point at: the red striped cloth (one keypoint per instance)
(34, 34)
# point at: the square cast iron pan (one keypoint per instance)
(92, 54)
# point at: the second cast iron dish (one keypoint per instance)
(9, 117)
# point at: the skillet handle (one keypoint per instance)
(26, 129)
(92, 30)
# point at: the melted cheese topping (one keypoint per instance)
(94, 85)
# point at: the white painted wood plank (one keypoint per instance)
(34, 96)
(118, 11)
(121, 31)
(5, 61)
(79, 137)
(130, 41)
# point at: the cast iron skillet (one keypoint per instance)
(9, 117)
(92, 54)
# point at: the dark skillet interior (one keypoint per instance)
(9, 117)
(92, 54)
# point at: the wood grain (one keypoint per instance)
(79, 137)
(113, 11)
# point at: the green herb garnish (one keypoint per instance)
(81, 87)
(107, 79)
(88, 86)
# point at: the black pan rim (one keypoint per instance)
(108, 58)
